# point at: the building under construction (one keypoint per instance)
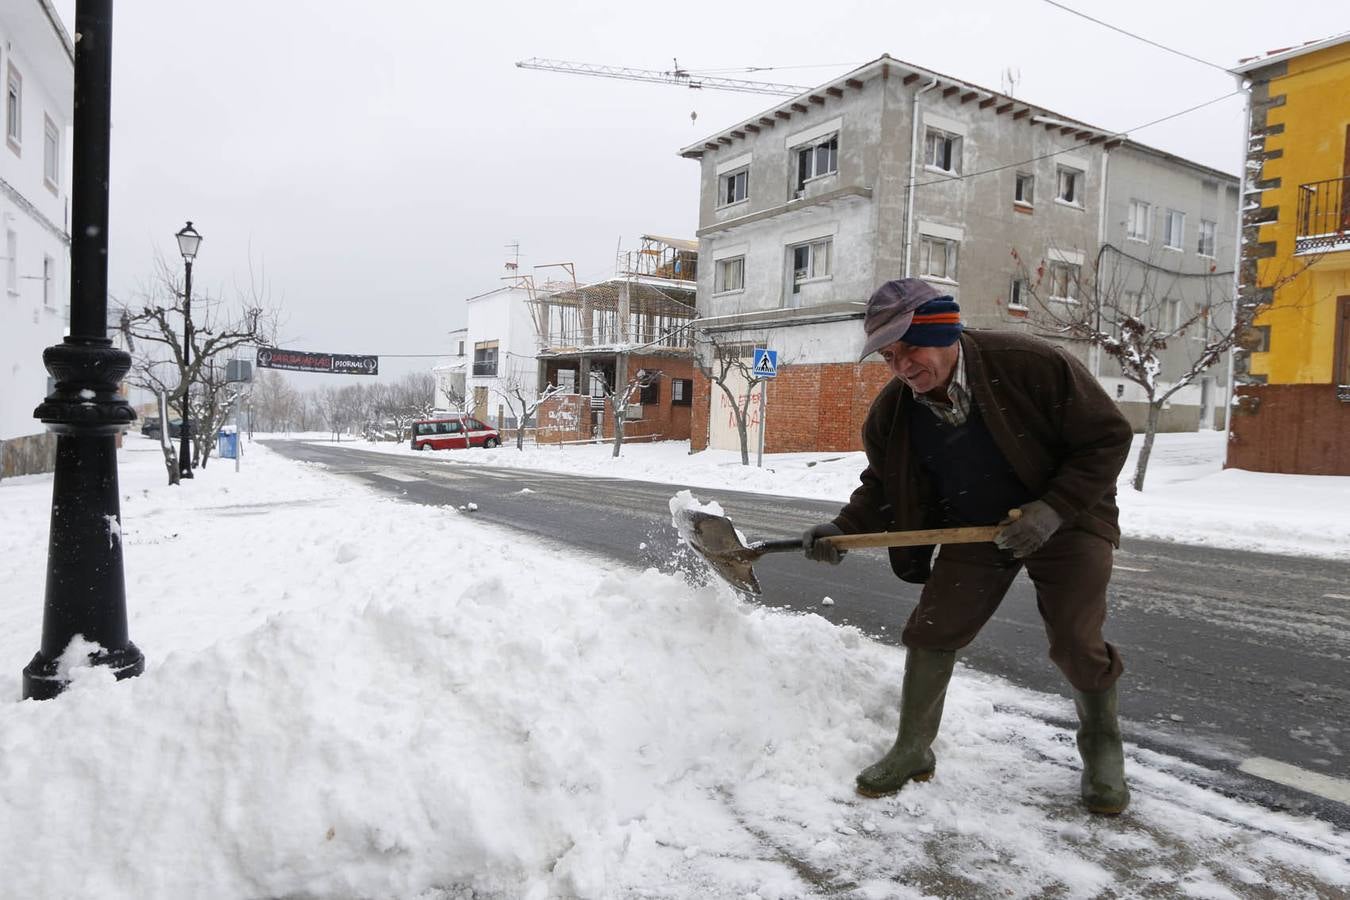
(596, 338)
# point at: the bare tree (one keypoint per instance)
(620, 391)
(517, 389)
(727, 365)
(1133, 312)
(454, 399)
(154, 324)
(275, 404)
(216, 399)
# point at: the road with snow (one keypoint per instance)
(1234, 661)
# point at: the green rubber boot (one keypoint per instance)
(1103, 783)
(911, 759)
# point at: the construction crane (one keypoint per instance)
(675, 76)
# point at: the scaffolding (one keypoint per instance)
(648, 304)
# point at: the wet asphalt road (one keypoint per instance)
(1228, 655)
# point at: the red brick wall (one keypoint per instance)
(810, 407)
(1290, 428)
(698, 413)
(662, 418)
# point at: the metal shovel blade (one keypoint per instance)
(714, 538)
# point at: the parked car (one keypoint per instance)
(453, 432)
(151, 427)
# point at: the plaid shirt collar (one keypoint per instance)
(957, 408)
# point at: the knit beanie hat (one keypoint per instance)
(936, 323)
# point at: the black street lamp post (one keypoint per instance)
(86, 589)
(188, 242)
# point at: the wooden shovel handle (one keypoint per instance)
(970, 535)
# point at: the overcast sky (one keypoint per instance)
(373, 160)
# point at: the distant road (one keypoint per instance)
(1236, 661)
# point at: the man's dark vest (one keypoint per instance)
(972, 478)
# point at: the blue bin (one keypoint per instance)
(227, 445)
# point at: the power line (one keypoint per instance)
(1137, 37)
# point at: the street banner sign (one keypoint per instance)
(765, 363)
(306, 361)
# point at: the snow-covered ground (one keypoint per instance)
(351, 696)
(1188, 496)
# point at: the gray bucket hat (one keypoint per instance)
(890, 310)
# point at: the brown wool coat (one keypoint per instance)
(1063, 436)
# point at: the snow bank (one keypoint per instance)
(352, 696)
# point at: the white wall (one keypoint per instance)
(502, 316)
(34, 212)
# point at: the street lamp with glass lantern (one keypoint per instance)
(188, 242)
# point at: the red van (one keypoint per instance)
(453, 432)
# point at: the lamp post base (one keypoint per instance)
(42, 681)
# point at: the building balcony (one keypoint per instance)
(1323, 216)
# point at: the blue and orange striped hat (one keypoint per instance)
(911, 310)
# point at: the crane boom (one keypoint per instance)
(677, 77)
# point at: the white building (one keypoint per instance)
(501, 344)
(452, 372)
(37, 70)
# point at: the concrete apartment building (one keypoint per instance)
(37, 65)
(806, 208)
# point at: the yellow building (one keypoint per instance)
(1291, 409)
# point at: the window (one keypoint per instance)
(485, 358)
(1024, 192)
(817, 159)
(48, 281)
(942, 151)
(1170, 315)
(11, 262)
(1070, 186)
(461, 349)
(651, 393)
(810, 261)
(1017, 294)
(14, 108)
(729, 275)
(1174, 229)
(681, 392)
(937, 258)
(1137, 220)
(51, 153)
(1205, 246)
(733, 187)
(1064, 281)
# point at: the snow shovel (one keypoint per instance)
(714, 538)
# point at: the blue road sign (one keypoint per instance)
(765, 363)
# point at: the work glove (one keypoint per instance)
(822, 551)
(1025, 534)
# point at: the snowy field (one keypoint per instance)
(1188, 496)
(349, 696)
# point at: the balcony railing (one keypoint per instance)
(1323, 216)
(485, 369)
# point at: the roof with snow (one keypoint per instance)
(1271, 57)
(946, 86)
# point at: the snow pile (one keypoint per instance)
(352, 696)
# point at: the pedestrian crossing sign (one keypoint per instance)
(765, 363)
